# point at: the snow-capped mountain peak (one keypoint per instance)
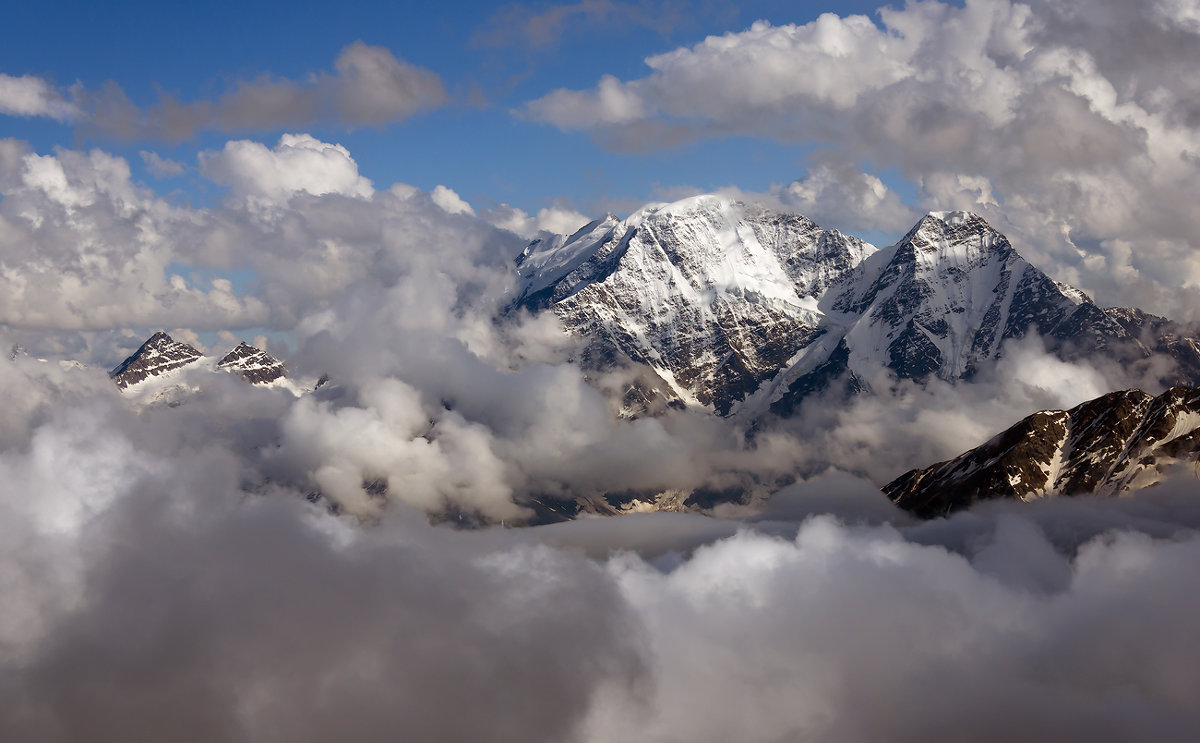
(954, 235)
(713, 295)
(952, 217)
(943, 302)
(546, 261)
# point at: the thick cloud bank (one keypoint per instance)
(167, 577)
(149, 595)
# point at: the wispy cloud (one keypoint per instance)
(160, 166)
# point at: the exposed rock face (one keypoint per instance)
(157, 356)
(252, 364)
(1109, 445)
(736, 308)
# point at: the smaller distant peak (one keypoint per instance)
(160, 341)
(253, 364)
(241, 351)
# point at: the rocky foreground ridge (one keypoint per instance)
(1116, 443)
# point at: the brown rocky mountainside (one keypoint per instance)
(1116, 443)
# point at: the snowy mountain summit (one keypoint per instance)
(737, 308)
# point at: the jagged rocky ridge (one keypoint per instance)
(737, 308)
(1116, 443)
(161, 355)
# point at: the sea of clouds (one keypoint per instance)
(164, 575)
(150, 594)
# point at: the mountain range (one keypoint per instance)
(742, 311)
(739, 309)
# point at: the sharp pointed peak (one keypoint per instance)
(159, 353)
(163, 339)
(242, 350)
(951, 221)
(938, 228)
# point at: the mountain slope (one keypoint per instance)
(1109, 445)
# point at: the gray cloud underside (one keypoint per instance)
(149, 596)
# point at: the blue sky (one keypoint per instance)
(476, 144)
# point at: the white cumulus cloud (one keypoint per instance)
(298, 163)
(32, 96)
